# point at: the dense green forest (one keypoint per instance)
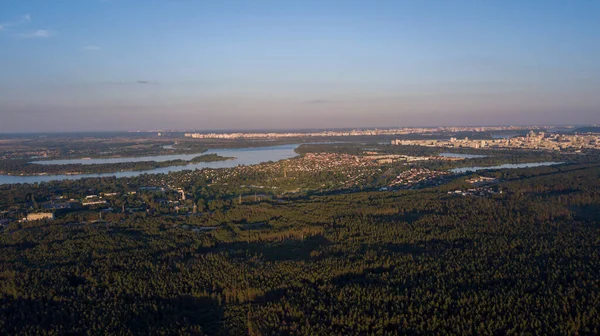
(384, 263)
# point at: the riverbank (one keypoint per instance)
(41, 168)
(235, 157)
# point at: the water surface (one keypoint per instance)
(460, 155)
(504, 135)
(243, 156)
(504, 166)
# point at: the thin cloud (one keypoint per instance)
(24, 20)
(91, 47)
(42, 33)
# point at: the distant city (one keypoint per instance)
(541, 141)
(362, 132)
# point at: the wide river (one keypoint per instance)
(243, 156)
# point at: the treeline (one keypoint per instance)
(209, 158)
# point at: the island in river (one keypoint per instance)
(24, 167)
(242, 156)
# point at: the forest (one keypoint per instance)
(526, 261)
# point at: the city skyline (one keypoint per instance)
(113, 65)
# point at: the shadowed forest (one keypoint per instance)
(383, 263)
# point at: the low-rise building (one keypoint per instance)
(93, 203)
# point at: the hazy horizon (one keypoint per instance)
(107, 65)
(284, 129)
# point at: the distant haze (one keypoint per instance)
(115, 65)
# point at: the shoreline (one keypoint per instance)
(150, 165)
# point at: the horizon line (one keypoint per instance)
(286, 129)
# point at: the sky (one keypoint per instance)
(91, 65)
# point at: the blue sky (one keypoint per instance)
(126, 64)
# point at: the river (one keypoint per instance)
(243, 156)
(504, 166)
(460, 155)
